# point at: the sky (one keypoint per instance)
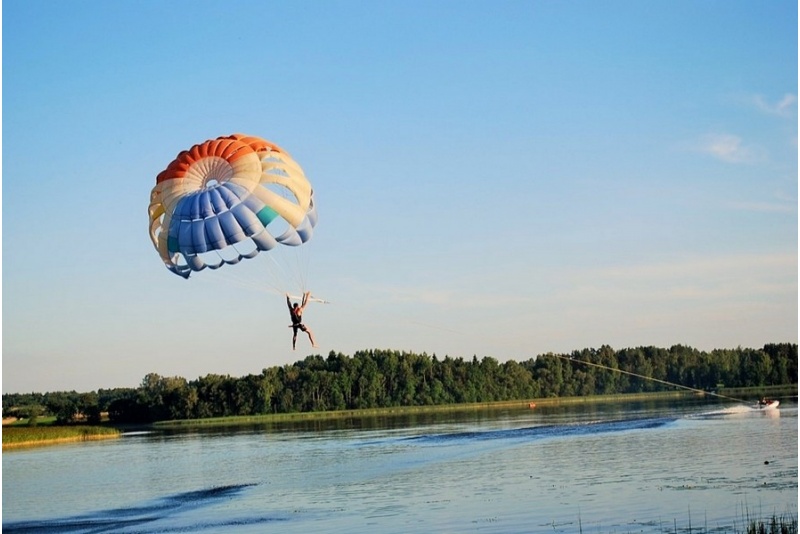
(494, 180)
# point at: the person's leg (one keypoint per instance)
(310, 337)
(307, 330)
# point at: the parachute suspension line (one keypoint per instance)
(274, 273)
(278, 274)
(250, 283)
(289, 270)
(300, 267)
(648, 378)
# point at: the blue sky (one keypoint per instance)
(500, 180)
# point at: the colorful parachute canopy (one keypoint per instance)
(226, 199)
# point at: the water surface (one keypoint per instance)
(616, 467)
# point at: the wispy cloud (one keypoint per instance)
(704, 267)
(779, 202)
(724, 279)
(782, 108)
(764, 207)
(727, 147)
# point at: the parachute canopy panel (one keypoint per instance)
(228, 199)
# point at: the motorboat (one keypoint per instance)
(767, 404)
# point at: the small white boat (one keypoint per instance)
(766, 404)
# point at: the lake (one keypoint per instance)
(656, 466)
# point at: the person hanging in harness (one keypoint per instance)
(296, 313)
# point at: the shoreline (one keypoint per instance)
(22, 437)
(112, 431)
(530, 404)
(415, 410)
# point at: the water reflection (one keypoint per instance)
(571, 412)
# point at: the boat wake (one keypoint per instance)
(741, 410)
(159, 516)
(545, 431)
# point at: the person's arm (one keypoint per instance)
(288, 302)
(305, 298)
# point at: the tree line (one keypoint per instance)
(388, 378)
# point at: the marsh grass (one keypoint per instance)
(784, 524)
(775, 525)
(28, 436)
(233, 420)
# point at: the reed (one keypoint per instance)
(775, 525)
(784, 524)
(233, 420)
(22, 436)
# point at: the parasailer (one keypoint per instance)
(232, 198)
(296, 313)
(228, 199)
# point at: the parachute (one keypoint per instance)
(228, 199)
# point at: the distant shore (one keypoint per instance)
(735, 395)
(20, 435)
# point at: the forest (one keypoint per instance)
(388, 378)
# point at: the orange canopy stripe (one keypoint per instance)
(227, 148)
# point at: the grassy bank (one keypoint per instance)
(729, 394)
(14, 435)
(775, 392)
(415, 410)
(30, 436)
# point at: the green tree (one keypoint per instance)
(63, 405)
